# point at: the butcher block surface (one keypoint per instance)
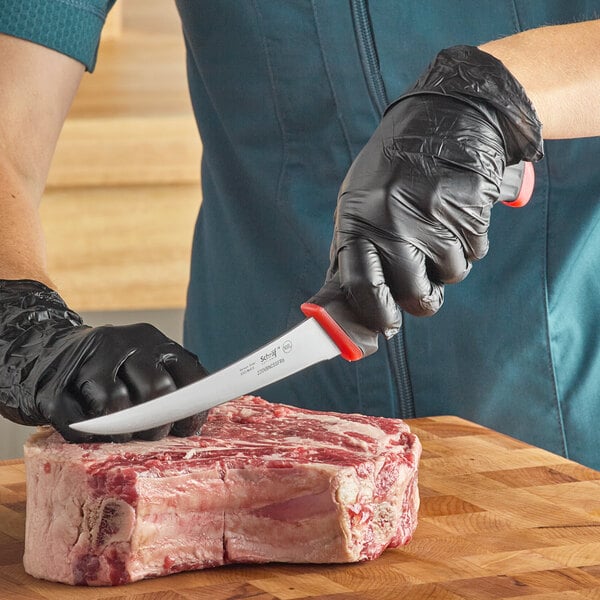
(498, 519)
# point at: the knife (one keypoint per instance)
(329, 330)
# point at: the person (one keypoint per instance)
(290, 101)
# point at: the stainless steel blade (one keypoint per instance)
(298, 348)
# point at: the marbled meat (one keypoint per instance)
(262, 483)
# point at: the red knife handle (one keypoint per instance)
(517, 185)
(331, 310)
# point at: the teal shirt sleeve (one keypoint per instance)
(71, 27)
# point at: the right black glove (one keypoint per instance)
(56, 370)
(413, 211)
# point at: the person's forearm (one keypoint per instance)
(37, 86)
(559, 68)
(22, 246)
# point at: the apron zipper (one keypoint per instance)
(368, 54)
(396, 347)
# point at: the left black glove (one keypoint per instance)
(414, 209)
(56, 370)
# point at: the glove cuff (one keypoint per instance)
(472, 75)
(30, 314)
(33, 301)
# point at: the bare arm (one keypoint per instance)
(37, 86)
(559, 67)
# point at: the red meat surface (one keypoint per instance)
(262, 483)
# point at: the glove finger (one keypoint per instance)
(473, 231)
(100, 398)
(406, 273)
(446, 261)
(190, 426)
(101, 395)
(147, 379)
(185, 368)
(68, 408)
(362, 279)
(469, 200)
(103, 392)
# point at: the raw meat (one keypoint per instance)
(264, 482)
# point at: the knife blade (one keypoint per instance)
(300, 347)
(330, 330)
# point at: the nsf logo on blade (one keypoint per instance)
(286, 346)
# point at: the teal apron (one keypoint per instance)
(285, 94)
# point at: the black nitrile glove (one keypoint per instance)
(56, 370)
(414, 209)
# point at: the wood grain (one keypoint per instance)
(113, 27)
(127, 150)
(121, 248)
(131, 122)
(513, 522)
(123, 190)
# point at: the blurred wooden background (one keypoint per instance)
(123, 191)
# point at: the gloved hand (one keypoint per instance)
(414, 209)
(56, 370)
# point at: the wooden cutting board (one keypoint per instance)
(499, 519)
